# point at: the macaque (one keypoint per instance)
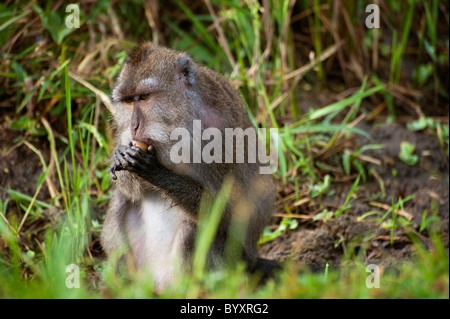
(155, 207)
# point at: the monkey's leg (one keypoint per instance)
(183, 190)
(265, 269)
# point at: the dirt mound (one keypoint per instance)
(20, 167)
(320, 242)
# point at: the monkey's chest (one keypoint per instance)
(155, 234)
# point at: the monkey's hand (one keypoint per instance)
(134, 160)
(183, 190)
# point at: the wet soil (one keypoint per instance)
(316, 243)
(20, 167)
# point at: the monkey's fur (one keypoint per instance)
(154, 209)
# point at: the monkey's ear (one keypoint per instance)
(184, 71)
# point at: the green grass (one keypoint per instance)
(424, 276)
(267, 57)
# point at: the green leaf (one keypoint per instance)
(407, 153)
(23, 123)
(320, 188)
(12, 20)
(418, 125)
(422, 73)
(346, 163)
(426, 221)
(286, 223)
(389, 224)
(105, 182)
(339, 106)
(322, 128)
(53, 23)
(325, 215)
(373, 212)
(98, 137)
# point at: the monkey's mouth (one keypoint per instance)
(145, 146)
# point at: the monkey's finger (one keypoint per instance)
(136, 155)
(116, 160)
(121, 149)
(134, 150)
(131, 160)
(112, 171)
(120, 160)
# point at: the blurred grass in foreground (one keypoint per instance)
(52, 81)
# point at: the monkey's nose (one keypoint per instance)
(135, 123)
(135, 120)
(135, 126)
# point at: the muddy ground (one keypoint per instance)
(312, 242)
(317, 243)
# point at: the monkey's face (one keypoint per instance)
(153, 96)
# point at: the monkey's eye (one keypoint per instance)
(144, 97)
(128, 100)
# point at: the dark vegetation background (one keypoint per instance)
(364, 138)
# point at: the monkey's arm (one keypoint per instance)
(183, 190)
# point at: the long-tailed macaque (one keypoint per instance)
(155, 206)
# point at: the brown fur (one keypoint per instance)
(180, 91)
